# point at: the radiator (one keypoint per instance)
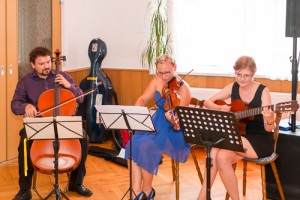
(276, 97)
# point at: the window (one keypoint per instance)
(209, 35)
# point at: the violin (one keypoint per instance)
(169, 92)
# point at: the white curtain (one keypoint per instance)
(209, 35)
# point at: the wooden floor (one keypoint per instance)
(111, 181)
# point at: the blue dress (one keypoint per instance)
(147, 147)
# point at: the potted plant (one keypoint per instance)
(159, 40)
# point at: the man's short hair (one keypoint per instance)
(39, 51)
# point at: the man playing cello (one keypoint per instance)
(25, 101)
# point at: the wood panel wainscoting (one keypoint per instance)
(130, 83)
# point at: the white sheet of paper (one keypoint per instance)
(138, 117)
(67, 127)
(122, 153)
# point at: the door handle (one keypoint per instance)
(10, 69)
(2, 70)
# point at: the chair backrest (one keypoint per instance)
(196, 102)
(276, 130)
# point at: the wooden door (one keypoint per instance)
(11, 124)
(8, 79)
(2, 82)
(14, 123)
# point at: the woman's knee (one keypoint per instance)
(225, 159)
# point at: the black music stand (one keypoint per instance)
(132, 118)
(210, 128)
(54, 128)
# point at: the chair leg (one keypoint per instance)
(244, 176)
(34, 180)
(175, 172)
(197, 165)
(227, 196)
(274, 168)
(263, 182)
(68, 183)
(34, 184)
(177, 180)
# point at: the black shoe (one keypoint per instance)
(80, 189)
(151, 195)
(141, 196)
(23, 195)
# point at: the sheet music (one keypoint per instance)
(42, 128)
(138, 117)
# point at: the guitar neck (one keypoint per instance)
(251, 112)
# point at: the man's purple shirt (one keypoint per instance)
(31, 86)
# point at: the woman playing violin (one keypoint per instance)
(258, 141)
(147, 148)
(25, 101)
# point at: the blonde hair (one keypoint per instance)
(165, 58)
(244, 62)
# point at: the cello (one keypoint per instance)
(44, 153)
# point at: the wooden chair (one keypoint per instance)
(175, 165)
(263, 162)
(198, 104)
(42, 157)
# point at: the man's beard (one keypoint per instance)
(45, 72)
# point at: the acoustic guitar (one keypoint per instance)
(244, 114)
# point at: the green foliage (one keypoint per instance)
(159, 41)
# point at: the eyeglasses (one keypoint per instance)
(245, 76)
(167, 73)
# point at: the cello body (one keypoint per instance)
(103, 94)
(46, 155)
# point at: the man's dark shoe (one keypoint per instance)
(23, 195)
(80, 189)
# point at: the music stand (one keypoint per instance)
(54, 128)
(132, 118)
(210, 128)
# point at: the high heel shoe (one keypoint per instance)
(151, 195)
(141, 194)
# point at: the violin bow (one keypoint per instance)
(186, 75)
(65, 102)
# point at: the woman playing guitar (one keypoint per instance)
(257, 138)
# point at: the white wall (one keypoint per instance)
(122, 24)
